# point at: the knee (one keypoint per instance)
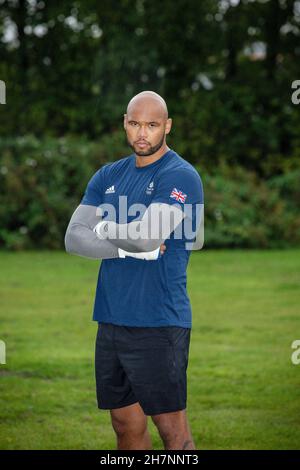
(129, 427)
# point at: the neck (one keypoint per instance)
(144, 161)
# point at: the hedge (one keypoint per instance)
(42, 182)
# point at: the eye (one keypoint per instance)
(133, 123)
(152, 124)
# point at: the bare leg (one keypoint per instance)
(130, 426)
(174, 430)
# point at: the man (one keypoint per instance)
(141, 305)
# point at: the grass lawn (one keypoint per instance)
(243, 390)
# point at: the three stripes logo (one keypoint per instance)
(110, 190)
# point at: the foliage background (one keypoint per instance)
(225, 69)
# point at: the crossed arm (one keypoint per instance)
(87, 237)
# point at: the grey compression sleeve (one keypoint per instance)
(80, 239)
(147, 234)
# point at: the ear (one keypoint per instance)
(125, 121)
(168, 125)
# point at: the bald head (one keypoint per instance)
(147, 123)
(151, 101)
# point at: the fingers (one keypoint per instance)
(162, 248)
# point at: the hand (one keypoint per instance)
(145, 255)
(162, 248)
(101, 229)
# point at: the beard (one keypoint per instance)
(150, 151)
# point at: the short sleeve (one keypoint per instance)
(93, 195)
(179, 187)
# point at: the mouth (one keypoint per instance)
(142, 144)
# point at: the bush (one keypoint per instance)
(242, 210)
(42, 182)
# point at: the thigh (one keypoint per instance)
(107, 365)
(155, 361)
(146, 354)
(167, 422)
(112, 385)
(129, 418)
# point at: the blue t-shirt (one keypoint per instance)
(135, 292)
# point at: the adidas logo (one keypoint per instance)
(110, 190)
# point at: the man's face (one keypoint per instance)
(146, 129)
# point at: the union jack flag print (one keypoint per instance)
(178, 195)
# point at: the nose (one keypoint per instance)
(142, 133)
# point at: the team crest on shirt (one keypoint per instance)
(178, 195)
(150, 188)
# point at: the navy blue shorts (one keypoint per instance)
(146, 365)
